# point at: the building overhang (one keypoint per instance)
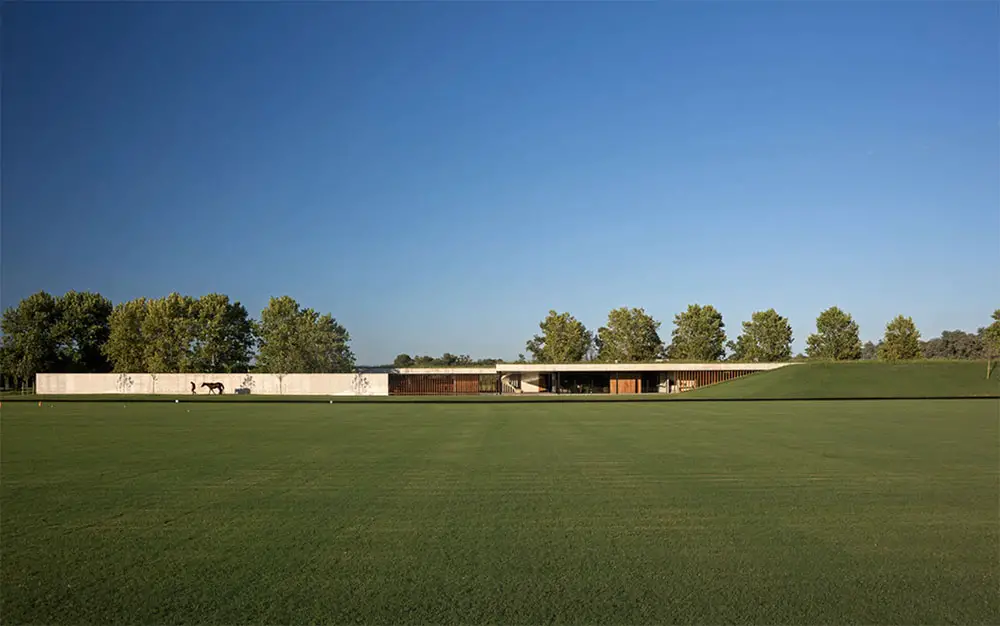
(611, 368)
(596, 368)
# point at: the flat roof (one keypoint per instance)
(638, 367)
(585, 367)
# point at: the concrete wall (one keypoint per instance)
(527, 383)
(531, 382)
(180, 384)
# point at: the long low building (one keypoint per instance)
(503, 378)
(533, 378)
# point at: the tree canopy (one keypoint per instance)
(901, 341)
(293, 339)
(224, 338)
(44, 333)
(29, 344)
(699, 334)
(564, 339)
(403, 360)
(445, 360)
(80, 331)
(836, 337)
(630, 336)
(83, 332)
(168, 334)
(180, 334)
(953, 344)
(766, 338)
(125, 347)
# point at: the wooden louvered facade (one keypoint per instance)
(442, 384)
(686, 381)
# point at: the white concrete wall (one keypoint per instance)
(527, 383)
(531, 382)
(180, 384)
(335, 384)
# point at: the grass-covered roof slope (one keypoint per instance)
(866, 379)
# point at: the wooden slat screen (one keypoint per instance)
(441, 384)
(687, 381)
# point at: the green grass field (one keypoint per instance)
(665, 512)
(861, 379)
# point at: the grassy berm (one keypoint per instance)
(914, 380)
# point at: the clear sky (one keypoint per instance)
(439, 175)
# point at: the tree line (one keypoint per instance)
(82, 332)
(445, 360)
(699, 334)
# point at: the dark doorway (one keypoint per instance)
(544, 382)
(650, 382)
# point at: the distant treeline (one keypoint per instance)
(699, 334)
(445, 360)
(83, 332)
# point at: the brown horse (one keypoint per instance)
(216, 386)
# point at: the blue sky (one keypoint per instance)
(439, 175)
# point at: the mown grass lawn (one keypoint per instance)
(785, 512)
(861, 379)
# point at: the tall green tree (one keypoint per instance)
(330, 352)
(280, 348)
(564, 339)
(82, 328)
(766, 338)
(44, 333)
(901, 341)
(169, 333)
(630, 336)
(836, 337)
(224, 335)
(991, 341)
(699, 334)
(297, 340)
(125, 348)
(29, 343)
